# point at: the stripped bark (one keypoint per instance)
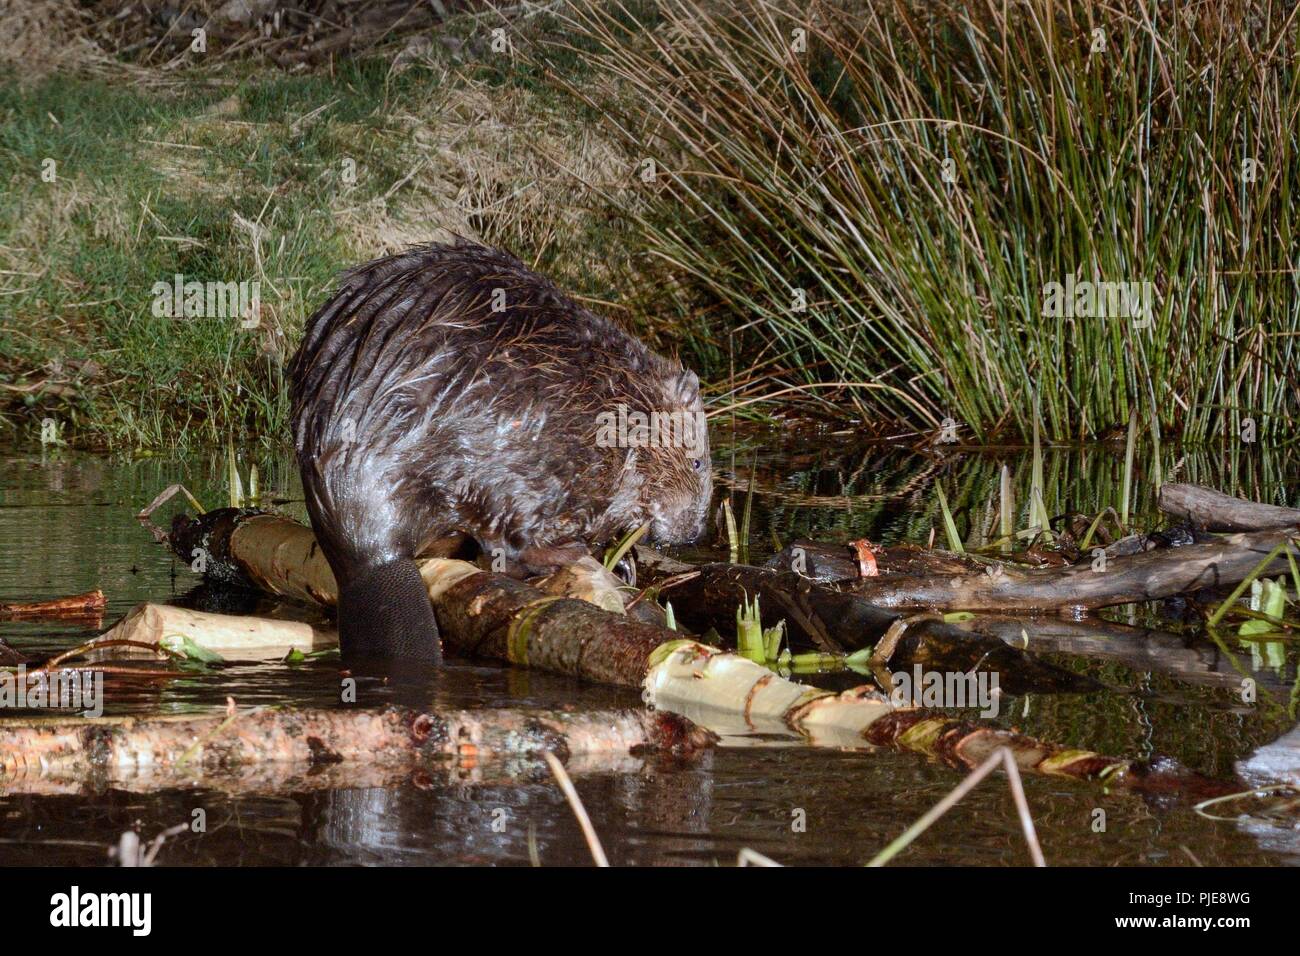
(231, 637)
(685, 674)
(1215, 511)
(393, 737)
(495, 616)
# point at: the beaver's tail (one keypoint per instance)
(384, 612)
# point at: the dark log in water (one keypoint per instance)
(1147, 576)
(1215, 511)
(840, 621)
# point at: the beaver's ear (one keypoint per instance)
(683, 389)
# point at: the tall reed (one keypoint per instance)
(884, 192)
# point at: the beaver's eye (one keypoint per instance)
(697, 463)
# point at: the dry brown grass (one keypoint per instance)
(40, 37)
(498, 165)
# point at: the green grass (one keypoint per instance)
(824, 170)
(242, 175)
(780, 175)
(154, 182)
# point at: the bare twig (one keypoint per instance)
(1000, 756)
(579, 811)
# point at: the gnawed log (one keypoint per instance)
(1215, 511)
(394, 736)
(499, 617)
(964, 744)
(683, 674)
(838, 621)
(230, 637)
(252, 549)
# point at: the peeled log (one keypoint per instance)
(395, 736)
(495, 616)
(232, 637)
(1215, 511)
(692, 679)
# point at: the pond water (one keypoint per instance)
(67, 525)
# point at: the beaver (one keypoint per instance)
(449, 393)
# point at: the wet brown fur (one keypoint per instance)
(421, 414)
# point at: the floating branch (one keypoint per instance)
(75, 605)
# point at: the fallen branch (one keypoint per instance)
(1215, 511)
(490, 615)
(1148, 576)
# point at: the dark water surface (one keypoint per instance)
(67, 525)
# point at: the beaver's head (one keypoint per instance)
(670, 455)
